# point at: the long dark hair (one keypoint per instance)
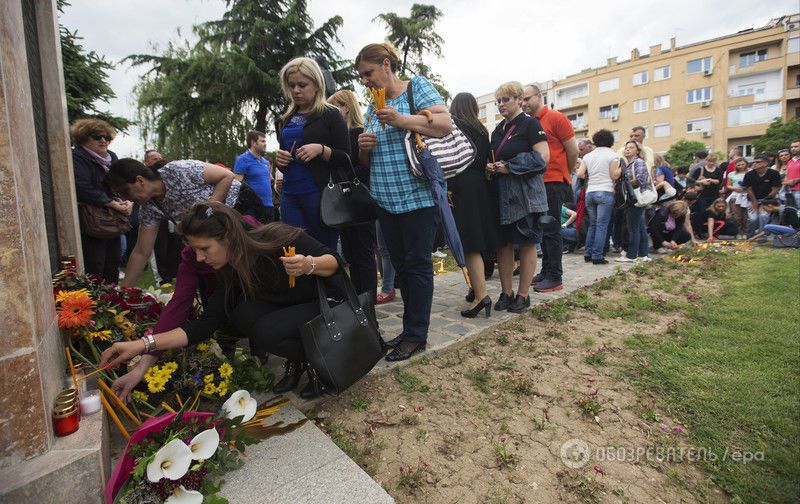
(124, 171)
(465, 108)
(212, 219)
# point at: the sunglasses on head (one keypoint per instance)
(504, 99)
(102, 137)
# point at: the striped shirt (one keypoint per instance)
(392, 185)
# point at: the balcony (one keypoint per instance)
(757, 67)
(580, 126)
(793, 94)
(567, 103)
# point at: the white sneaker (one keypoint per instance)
(662, 250)
(439, 254)
(643, 259)
(625, 259)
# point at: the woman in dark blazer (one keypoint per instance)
(313, 139)
(474, 207)
(90, 161)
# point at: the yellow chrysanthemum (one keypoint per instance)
(104, 335)
(209, 378)
(209, 389)
(139, 396)
(223, 388)
(225, 370)
(202, 347)
(157, 377)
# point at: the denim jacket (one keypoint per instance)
(522, 192)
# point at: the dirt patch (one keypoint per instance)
(485, 421)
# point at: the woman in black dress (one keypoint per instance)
(358, 242)
(474, 208)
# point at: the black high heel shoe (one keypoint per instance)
(470, 297)
(485, 304)
(292, 372)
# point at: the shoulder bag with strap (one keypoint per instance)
(454, 152)
(346, 203)
(342, 343)
(102, 222)
(624, 193)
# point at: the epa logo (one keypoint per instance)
(575, 453)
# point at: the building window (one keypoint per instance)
(608, 85)
(661, 73)
(482, 113)
(747, 151)
(698, 95)
(661, 102)
(564, 96)
(794, 45)
(751, 58)
(661, 130)
(756, 89)
(698, 125)
(640, 106)
(699, 65)
(640, 78)
(609, 111)
(578, 121)
(616, 135)
(756, 113)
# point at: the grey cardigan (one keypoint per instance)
(522, 192)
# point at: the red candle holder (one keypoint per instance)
(65, 420)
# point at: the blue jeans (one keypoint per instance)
(387, 270)
(637, 231)
(599, 206)
(302, 210)
(778, 230)
(409, 237)
(756, 221)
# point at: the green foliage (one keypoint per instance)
(681, 152)
(415, 37)
(85, 76)
(778, 136)
(200, 99)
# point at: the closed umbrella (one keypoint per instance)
(435, 176)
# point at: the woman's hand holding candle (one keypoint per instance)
(120, 352)
(297, 264)
(282, 159)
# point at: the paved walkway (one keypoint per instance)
(305, 466)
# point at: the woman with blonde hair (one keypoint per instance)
(91, 160)
(519, 159)
(671, 226)
(406, 208)
(358, 242)
(313, 140)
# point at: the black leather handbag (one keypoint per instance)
(624, 196)
(342, 343)
(347, 203)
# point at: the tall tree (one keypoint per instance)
(778, 136)
(415, 38)
(85, 76)
(230, 76)
(682, 152)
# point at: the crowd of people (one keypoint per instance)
(531, 190)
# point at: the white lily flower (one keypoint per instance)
(172, 461)
(182, 496)
(240, 404)
(205, 444)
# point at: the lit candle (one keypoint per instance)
(90, 402)
(65, 420)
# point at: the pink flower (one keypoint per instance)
(599, 470)
(677, 429)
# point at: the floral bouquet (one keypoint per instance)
(181, 457)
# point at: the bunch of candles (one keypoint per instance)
(378, 102)
(289, 252)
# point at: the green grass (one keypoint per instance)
(730, 373)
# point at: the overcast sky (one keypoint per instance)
(485, 43)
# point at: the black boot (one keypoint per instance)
(520, 304)
(503, 301)
(314, 388)
(293, 372)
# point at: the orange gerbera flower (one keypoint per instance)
(75, 311)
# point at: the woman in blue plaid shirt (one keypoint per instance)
(406, 209)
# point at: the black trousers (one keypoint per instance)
(102, 257)
(167, 250)
(273, 329)
(358, 246)
(552, 245)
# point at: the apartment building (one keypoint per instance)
(723, 92)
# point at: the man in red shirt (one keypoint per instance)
(792, 180)
(557, 182)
